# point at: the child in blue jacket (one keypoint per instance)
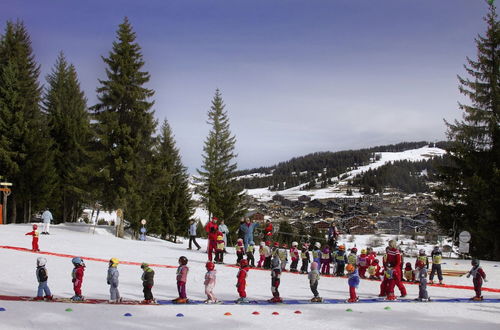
(353, 282)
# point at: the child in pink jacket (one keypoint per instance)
(210, 283)
(182, 272)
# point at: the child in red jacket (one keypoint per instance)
(478, 275)
(182, 272)
(240, 250)
(34, 242)
(374, 270)
(242, 282)
(77, 280)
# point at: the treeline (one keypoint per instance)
(317, 169)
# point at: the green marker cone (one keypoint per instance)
(69, 310)
(387, 308)
(348, 310)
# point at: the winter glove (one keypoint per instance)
(108, 282)
(485, 280)
(468, 275)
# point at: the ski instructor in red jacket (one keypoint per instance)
(212, 228)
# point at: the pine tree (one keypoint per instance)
(124, 126)
(69, 125)
(25, 156)
(469, 198)
(173, 197)
(219, 193)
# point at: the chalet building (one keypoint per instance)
(278, 198)
(316, 204)
(255, 216)
(304, 198)
(321, 225)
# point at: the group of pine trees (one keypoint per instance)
(61, 154)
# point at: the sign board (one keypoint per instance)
(463, 247)
(143, 222)
(464, 237)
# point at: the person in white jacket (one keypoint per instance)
(47, 218)
(225, 231)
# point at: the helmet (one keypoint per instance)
(363, 251)
(419, 264)
(317, 244)
(305, 246)
(35, 226)
(354, 250)
(295, 244)
(276, 244)
(183, 260)
(474, 262)
(268, 243)
(285, 246)
(240, 240)
(408, 265)
(421, 252)
(41, 261)
(375, 261)
(349, 268)
(262, 243)
(144, 265)
(77, 261)
(243, 263)
(113, 262)
(393, 244)
(342, 248)
(210, 265)
(219, 238)
(251, 243)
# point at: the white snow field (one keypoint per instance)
(17, 277)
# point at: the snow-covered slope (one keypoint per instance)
(17, 277)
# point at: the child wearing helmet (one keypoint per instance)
(275, 280)
(181, 276)
(220, 247)
(112, 280)
(294, 255)
(42, 277)
(340, 260)
(478, 275)
(262, 254)
(316, 253)
(353, 282)
(147, 283)
(363, 263)
(34, 241)
(77, 278)
(283, 255)
(250, 251)
(314, 277)
(304, 256)
(409, 274)
(423, 257)
(240, 250)
(421, 277)
(210, 277)
(374, 270)
(326, 258)
(268, 255)
(436, 256)
(242, 282)
(352, 258)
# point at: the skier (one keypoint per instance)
(267, 260)
(341, 260)
(42, 277)
(211, 228)
(294, 255)
(316, 253)
(250, 251)
(275, 280)
(181, 276)
(421, 277)
(192, 235)
(147, 283)
(423, 257)
(353, 282)
(240, 250)
(436, 256)
(242, 282)
(389, 282)
(304, 255)
(210, 277)
(352, 258)
(34, 241)
(409, 274)
(219, 250)
(478, 275)
(326, 258)
(112, 280)
(374, 270)
(363, 263)
(47, 218)
(283, 255)
(77, 275)
(313, 281)
(262, 254)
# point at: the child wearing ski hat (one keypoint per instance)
(240, 250)
(374, 270)
(210, 277)
(421, 277)
(181, 276)
(242, 282)
(147, 283)
(219, 249)
(77, 278)
(34, 241)
(314, 277)
(304, 256)
(478, 275)
(363, 263)
(250, 251)
(340, 260)
(325, 260)
(353, 282)
(294, 255)
(112, 280)
(42, 277)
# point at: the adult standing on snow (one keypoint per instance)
(212, 228)
(47, 218)
(225, 231)
(333, 233)
(192, 234)
(247, 228)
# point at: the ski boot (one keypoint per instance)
(353, 300)
(276, 300)
(317, 299)
(49, 298)
(242, 301)
(441, 282)
(476, 298)
(391, 297)
(175, 300)
(182, 301)
(147, 301)
(38, 298)
(77, 298)
(402, 296)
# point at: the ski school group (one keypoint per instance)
(274, 257)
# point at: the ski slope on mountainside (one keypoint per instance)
(18, 278)
(264, 194)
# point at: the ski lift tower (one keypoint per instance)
(4, 188)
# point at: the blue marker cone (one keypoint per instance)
(2, 309)
(180, 315)
(127, 314)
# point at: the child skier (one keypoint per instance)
(421, 277)
(294, 255)
(77, 275)
(34, 241)
(42, 277)
(374, 270)
(409, 274)
(210, 277)
(352, 258)
(250, 251)
(240, 250)
(389, 282)
(304, 255)
(341, 260)
(267, 259)
(316, 253)
(353, 282)
(436, 256)
(325, 260)
(147, 283)
(219, 250)
(242, 282)
(313, 282)
(275, 280)
(363, 263)
(478, 275)
(283, 255)
(181, 276)
(112, 280)
(262, 254)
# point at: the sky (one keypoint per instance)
(296, 76)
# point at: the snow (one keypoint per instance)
(18, 278)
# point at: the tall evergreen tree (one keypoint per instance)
(219, 193)
(69, 125)
(124, 128)
(172, 195)
(469, 198)
(25, 157)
